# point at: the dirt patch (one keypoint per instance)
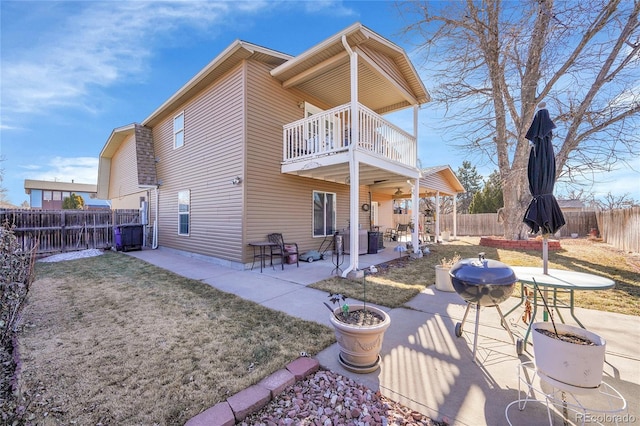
(387, 267)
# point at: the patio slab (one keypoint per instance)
(424, 366)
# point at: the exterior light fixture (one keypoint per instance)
(236, 180)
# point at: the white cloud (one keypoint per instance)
(65, 169)
(99, 44)
(95, 45)
(336, 8)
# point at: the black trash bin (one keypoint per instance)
(128, 236)
(374, 238)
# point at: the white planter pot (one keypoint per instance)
(569, 363)
(443, 279)
(360, 345)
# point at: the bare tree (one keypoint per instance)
(612, 202)
(495, 62)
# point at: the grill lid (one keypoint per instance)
(482, 271)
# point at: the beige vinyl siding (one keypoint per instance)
(131, 201)
(436, 182)
(385, 210)
(278, 202)
(123, 180)
(211, 156)
(388, 65)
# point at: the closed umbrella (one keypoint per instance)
(543, 214)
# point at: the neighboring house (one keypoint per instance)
(48, 195)
(7, 206)
(571, 205)
(260, 141)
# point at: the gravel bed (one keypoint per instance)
(72, 255)
(329, 399)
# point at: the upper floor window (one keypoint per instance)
(184, 207)
(178, 130)
(324, 213)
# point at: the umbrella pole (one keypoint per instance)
(545, 269)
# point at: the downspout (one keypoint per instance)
(354, 172)
(154, 243)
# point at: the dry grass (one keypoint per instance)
(396, 285)
(114, 340)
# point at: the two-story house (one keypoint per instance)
(260, 142)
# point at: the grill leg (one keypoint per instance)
(464, 318)
(475, 337)
(505, 325)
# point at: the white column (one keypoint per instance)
(415, 212)
(416, 186)
(437, 231)
(455, 217)
(415, 132)
(354, 166)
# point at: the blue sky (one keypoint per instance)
(74, 71)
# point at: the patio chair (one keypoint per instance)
(388, 234)
(286, 251)
(402, 231)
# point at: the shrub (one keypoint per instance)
(16, 275)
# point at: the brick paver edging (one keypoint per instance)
(237, 407)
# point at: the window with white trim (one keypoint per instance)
(178, 130)
(324, 213)
(184, 208)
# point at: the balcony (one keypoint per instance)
(326, 138)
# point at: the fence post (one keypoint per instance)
(63, 230)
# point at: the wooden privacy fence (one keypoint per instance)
(486, 224)
(621, 228)
(58, 231)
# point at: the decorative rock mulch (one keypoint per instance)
(327, 398)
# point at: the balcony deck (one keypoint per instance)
(325, 139)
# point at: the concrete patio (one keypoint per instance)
(424, 366)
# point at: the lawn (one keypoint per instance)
(114, 340)
(399, 283)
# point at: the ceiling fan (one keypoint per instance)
(398, 193)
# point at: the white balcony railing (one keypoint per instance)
(329, 132)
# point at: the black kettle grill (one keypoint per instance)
(482, 282)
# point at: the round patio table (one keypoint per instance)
(559, 281)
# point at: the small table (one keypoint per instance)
(557, 280)
(604, 401)
(262, 253)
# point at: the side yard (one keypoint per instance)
(114, 340)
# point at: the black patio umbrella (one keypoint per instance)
(543, 213)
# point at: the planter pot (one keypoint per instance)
(360, 345)
(443, 279)
(572, 364)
